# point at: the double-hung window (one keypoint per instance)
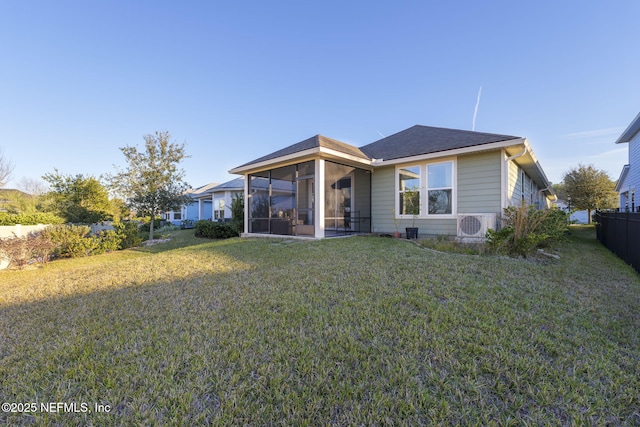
(425, 190)
(440, 188)
(409, 190)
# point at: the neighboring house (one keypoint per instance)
(579, 217)
(200, 208)
(443, 181)
(222, 196)
(629, 179)
(210, 202)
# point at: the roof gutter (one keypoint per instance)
(515, 156)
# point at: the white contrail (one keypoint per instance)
(475, 111)
(380, 133)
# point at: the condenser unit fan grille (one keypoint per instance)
(470, 225)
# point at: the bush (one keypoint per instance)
(526, 228)
(186, 223)
(165, 231)
(73, 241)
(215, 230)
(29, 219)
(128, 232)
(146, 224)
(21, 251)
(237, 213)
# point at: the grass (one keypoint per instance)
(355, 331)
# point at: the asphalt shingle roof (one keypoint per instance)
(313, 142)
(418, 140)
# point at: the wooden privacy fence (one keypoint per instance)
(620, 233)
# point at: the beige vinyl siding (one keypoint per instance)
(479, 178)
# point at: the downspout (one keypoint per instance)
(515, 156)
(547, 188)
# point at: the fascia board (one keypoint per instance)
(289, 158)
(630, 131)
(340, 155)
(620, 185)
(241, 170)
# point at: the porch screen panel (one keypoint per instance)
(338, 196)
(283, 200)
(259, 205)
(305, 199)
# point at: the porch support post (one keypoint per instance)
(246, 203)
(319, 202)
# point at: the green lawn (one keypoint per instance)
(355, 331)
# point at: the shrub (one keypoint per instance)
(128, 232)
(29, 219)
(146, 224)
(186, 223)
(237, 213)
(21, 251)
(165, 231)
(71, 241)
(215, 230)
(526, 229)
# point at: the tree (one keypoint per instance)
(32, 197)
(152, 183)
(6, 169)
(78, 199)
(590, 188)
(560, 191)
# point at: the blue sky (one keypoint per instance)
(239, 79)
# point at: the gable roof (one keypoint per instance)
(195, 192)
(630, 131)
(620, 184)
(419, 140)
(234, 184)
(315, 142)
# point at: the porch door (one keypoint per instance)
(338, 204)
(305, 206)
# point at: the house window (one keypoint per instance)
(426, 190)
(177, 215)
(440, 188)
(409, 190)
(218, 212)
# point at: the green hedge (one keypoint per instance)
(29, 219)
(72, 241)
(215, 230)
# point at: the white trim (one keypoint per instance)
(268, 164)
(424, 190)
(246, 204)
(295, 157)
(319, 199)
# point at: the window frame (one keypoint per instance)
(424, 190)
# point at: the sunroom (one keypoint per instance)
(316, 188)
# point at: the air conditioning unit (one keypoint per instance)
(475, 226)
